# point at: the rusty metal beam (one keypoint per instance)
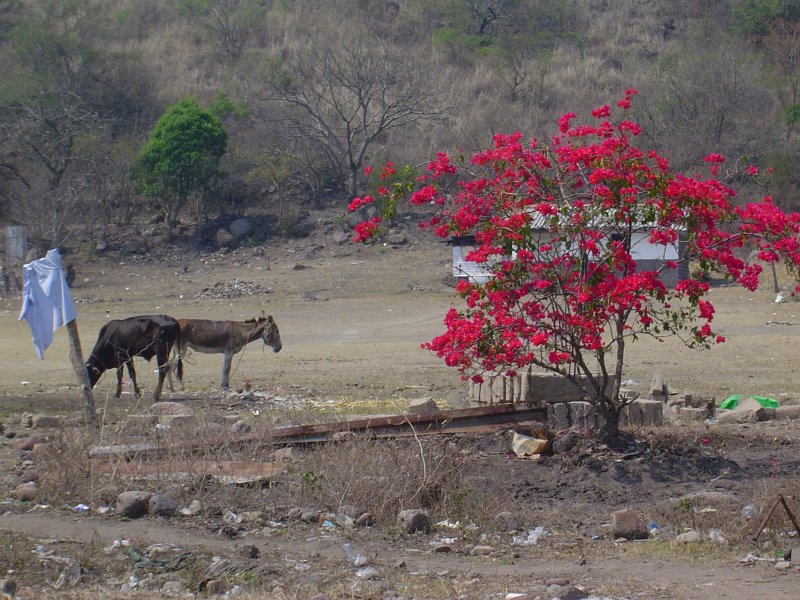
(480, 419)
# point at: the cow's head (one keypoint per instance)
(94, 370)
(271, 335)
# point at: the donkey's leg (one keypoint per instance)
(162, 356)
(226, 370)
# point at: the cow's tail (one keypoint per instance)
(179, 364)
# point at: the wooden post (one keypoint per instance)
(76, 356)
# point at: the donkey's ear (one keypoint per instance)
(270, 320)
(263, 314)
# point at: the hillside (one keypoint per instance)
(308, 98)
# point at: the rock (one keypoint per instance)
(223, 238)
(562, 581)
(414, 520)
(627, 524)
(340, 237)
(481, 550)
(396, 239)
(422, 406)
(689, 537)
(133, 504)
(344, 521)
(311, 515)
(135, 245)
(783, 565)
(45, 422)
(25, 492)
(172, 588)
(161, 505)
(507, 521)
(294, 513)
(29, 442)
(749, 415)
(27, 476)
(564, 592)
(216, 587)
(565, 443)
(241, 228)
(365, 520)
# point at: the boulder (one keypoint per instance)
(689, 537)
(241, 228)
(133, 504)
(224, 239)
(161, 505)
(628, 524)
(414, 520)
(25, 492)
(422, 406)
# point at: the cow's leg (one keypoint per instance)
(226, 370)
(132, 373)
(163, 368)
(119, 380)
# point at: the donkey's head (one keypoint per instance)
(271, 334)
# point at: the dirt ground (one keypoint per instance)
(352, 320)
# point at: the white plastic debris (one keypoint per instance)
(232, 518)
(531, 539)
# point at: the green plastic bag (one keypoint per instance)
(731, 401)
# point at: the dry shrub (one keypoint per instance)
(383, 476)
(64, 467)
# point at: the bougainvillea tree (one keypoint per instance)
(557, 224)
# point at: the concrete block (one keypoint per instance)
(643, 413)
(558, 416)
(582, 414)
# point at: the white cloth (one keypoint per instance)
(46, 303)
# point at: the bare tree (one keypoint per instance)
(229, 22)
(488, 11)
(346, 97)
(43, 141)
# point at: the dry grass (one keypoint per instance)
(380, 476)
